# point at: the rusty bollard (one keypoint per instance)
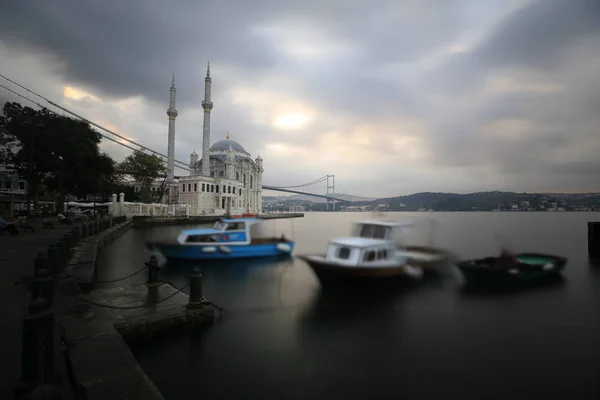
(153, 270)
(195, 288)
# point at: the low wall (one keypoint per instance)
(82, 265)
(99, 362)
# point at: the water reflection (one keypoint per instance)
(551, 282)
(225, 269)
(343, 305)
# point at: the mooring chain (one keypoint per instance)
(40, 358)
(203, 300)
(177, 291)
(107, 281)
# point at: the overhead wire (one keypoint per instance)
(181, 165)
(54, 112)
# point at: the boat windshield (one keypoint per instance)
(373, 231)
(219, 225)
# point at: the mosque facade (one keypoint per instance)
(225, 180)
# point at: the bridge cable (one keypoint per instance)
(322, 179)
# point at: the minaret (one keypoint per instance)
(193, 162)
(207, 105)
(259, 176)
(172, 113)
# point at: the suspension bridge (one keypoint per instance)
(121, 140)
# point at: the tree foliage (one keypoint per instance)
(56, 150)
(144, 169)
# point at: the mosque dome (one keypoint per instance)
(223, 145)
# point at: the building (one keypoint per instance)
(11, 182)
(226, 180)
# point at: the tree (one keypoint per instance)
(56, 150)
(145, 169)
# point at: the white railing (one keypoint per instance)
(130, 209)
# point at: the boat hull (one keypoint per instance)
(529, 268)
(222, 251)
(332, 273)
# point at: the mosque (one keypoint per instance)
(226, 180)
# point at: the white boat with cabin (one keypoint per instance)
(373, 252)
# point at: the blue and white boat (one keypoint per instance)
(229, 238)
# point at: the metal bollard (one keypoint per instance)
(41, 262)
(63, 251)
(41, 286)
(195, 288)
(38, 344)
(153, 270)
(53, 259)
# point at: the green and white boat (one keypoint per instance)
(512, 268)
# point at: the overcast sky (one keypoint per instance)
(391, 96)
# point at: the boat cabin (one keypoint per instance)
(236, 230)
(383, 230)
(363, 252)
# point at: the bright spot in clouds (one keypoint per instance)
(290, 121)
(72, 93)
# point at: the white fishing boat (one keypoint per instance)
(373, 252)
(422, 256)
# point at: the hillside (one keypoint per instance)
(487, 201)
(437, 201)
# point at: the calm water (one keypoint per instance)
(285, 339)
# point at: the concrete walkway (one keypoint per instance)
(17, 256)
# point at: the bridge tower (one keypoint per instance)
(330, 192)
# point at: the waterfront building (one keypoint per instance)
(225, 180)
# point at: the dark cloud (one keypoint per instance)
(535, 65)
(129, 48)
(538, 34)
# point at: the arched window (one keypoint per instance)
(244, 180)
(221, 174)
(251, 181)
(212, 174)
(195, 187)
